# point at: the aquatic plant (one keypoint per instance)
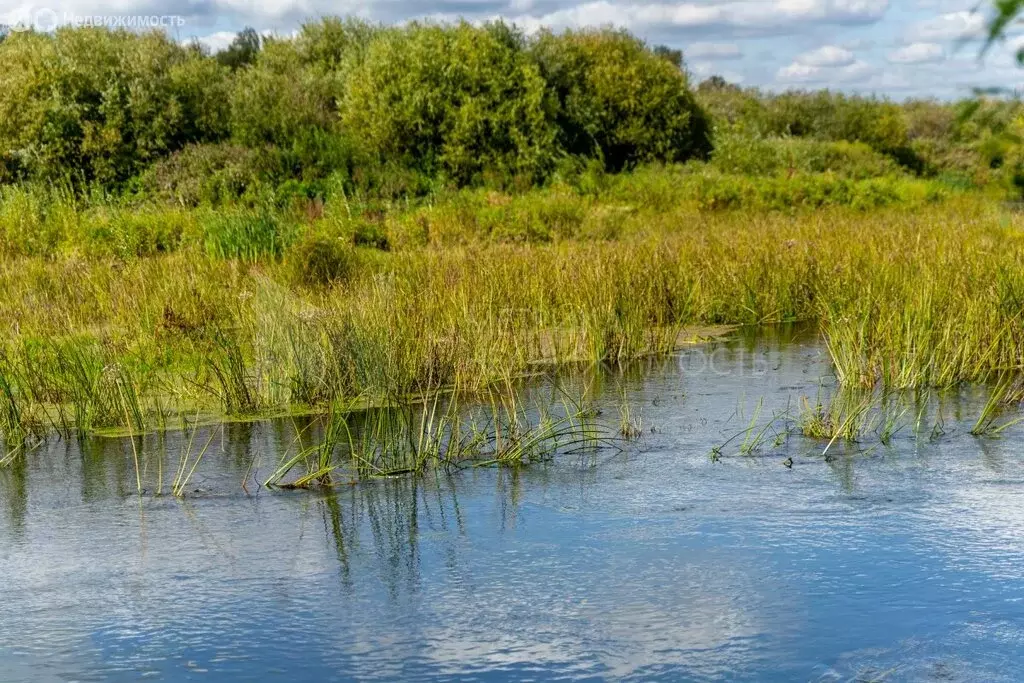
(1006, 391)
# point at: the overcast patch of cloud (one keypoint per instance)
(763, 15)
(799, 73)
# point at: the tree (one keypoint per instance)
(458, 100)
(619, 101)
(242, 51)
(670, 55)
(94, 105)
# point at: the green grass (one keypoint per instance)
(475, 287)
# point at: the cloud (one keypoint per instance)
(826, 55)
(713, 51)
(217, 41)
(799, 73)
(735, 14)
(951, 26)
(917, 53)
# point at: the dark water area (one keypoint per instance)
(899, 563)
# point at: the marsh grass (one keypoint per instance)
(438, 432)
(188, 461)
(98, 344)
(1006, 392)
(631, 421)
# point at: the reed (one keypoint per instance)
(1006, 392)
(438, 431)
(904, 299)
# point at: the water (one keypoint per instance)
(898, 563)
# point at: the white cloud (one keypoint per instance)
(217, 41)
(713, 51)
(800, 73)
(744, 14)
(826, 55)
(918, 53)
(951, 26)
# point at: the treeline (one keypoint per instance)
(391, 110)
(974, 141)
(351, 108)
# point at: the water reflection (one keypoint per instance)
(899, 562)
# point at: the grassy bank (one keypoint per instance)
(373, 213)
(479, 288)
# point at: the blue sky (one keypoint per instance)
(899, 48)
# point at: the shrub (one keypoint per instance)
(619, 101)
(278, 99)
(833, 116)
(457, 100)
(206, 174)
(94, 105)
(756, 155)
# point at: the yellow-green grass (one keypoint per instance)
(929, 296)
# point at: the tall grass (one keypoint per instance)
(904, 299)
(436, 431)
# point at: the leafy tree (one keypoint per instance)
(670, 55)
(97, 105)
(619, 101)
(458, 100)
(277, 98)
(333, 44)
(242, 51)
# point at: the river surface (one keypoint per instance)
(898, 563)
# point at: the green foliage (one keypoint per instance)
(459, 100)
(833, 116)
(755, 155)
(247, 235)
(278, 100)
(334, 45)
(242, 51)
(715, 191)
(93, 105)
(205, 174)
(347, 111)
(619, 101)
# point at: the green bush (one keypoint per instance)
(278, 99)
(618, 101)
(93, 105)
(206, 174)
(755, 155)
(457, 100)
(716, 191)
(130, 232)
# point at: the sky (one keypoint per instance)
(895, 48)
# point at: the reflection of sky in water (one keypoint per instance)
(902, 564)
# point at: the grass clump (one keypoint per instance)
(319, 260)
